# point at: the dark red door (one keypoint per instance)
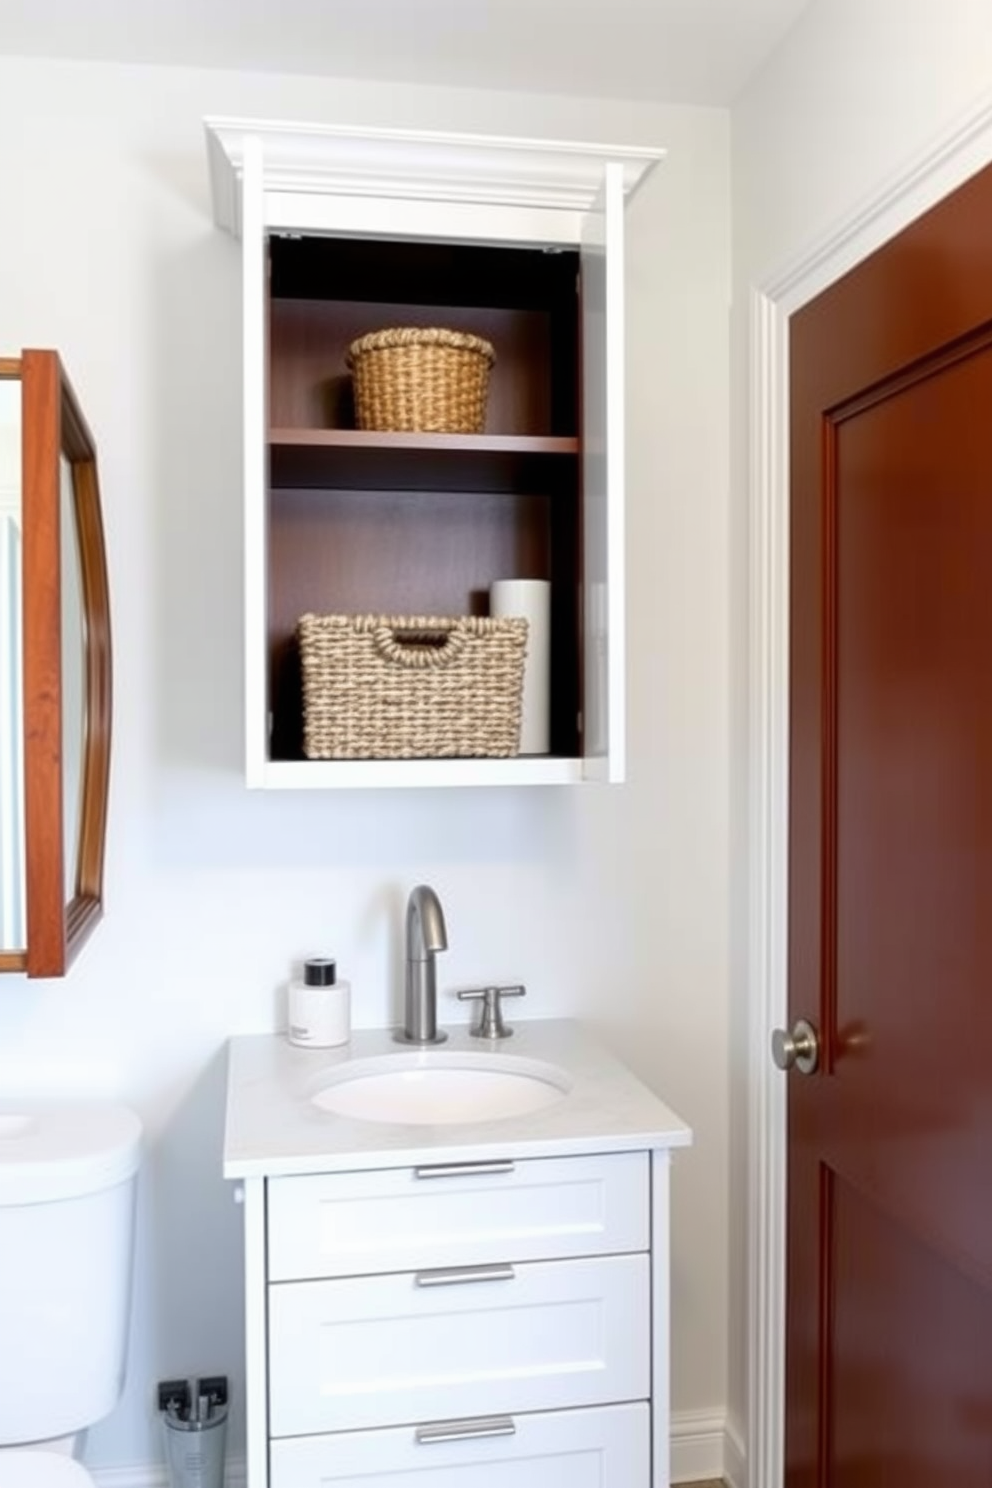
(889, 1312)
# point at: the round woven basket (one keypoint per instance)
(422, 379)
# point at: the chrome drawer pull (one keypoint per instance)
(457, 1275)
(463, 1170)
(446, 1431)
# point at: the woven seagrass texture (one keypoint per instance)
(421, 379)
(411, 687)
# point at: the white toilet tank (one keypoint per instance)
(67, 1199)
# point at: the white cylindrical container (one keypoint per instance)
(530, 598)
(194, 1448)
(319, 1006)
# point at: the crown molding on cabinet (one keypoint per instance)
(340, 160)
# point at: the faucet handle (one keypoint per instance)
(490, 1024)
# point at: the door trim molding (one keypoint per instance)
(942, 166)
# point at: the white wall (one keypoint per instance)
(609, 904)
(859, 91)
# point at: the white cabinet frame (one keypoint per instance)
(277, 178)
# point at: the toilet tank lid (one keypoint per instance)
(52, 1151)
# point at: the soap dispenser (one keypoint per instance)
(319, 1006)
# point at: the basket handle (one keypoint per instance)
(452, 637)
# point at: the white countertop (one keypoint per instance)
(273, 1127)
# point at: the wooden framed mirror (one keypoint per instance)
(55, 670)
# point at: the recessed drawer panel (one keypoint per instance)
(464, 1341)
(351, 1224)
(607, 1447)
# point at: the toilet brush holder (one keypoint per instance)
(194, 1444)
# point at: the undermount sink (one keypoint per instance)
(428, 1087)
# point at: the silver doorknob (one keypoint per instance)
(800, 1048)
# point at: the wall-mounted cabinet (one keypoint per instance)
(345, 232)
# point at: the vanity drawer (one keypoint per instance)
(606, 1447)
(471, 1341)
(352, 1224)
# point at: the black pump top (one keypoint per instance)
(319, 972)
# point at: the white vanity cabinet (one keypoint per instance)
(471, 1305)
(346, 231)
(484, 1317)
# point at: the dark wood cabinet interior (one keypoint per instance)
(393, 523)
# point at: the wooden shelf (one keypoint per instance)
(349, 458)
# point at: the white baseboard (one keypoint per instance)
(705, 1448)
(734, 1457)
(701, 1447)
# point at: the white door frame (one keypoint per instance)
(957, 155)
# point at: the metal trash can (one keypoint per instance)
(195, 1438)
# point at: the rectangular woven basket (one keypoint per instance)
(411, 687)
(422, 379)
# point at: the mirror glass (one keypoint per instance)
(73, 693)
(13, 926)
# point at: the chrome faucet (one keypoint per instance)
(425, 936)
